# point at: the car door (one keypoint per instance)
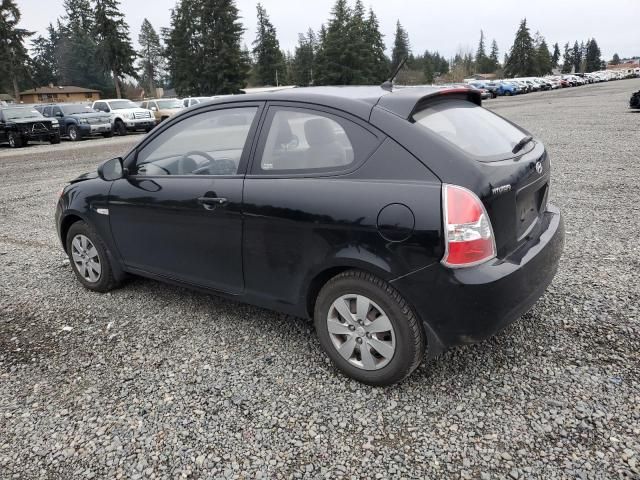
(299, 201)
(178, 213)
(3, 128)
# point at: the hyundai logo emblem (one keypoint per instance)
(539, 167)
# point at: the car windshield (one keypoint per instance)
(72, 109)
(17, 113)
(168, 104)
(471, 128)
(122, 104)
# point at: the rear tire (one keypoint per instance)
(89, 259)
(385, 326)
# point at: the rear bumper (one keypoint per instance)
(461, 306)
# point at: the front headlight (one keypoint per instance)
(83, 120)
(54, 123)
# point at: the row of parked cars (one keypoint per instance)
(20, 124)
(516, 86)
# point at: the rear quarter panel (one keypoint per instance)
(296, 228)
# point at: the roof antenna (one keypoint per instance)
(388, 84)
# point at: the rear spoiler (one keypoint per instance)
(405, 102)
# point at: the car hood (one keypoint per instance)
(23, 121)
(131, 110)
(85, 176)
(90, 115)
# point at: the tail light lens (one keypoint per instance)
(469, 238)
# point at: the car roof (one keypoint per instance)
(357, 100)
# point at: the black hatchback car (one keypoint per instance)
(402, 221)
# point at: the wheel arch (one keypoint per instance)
(320, 277)
(65, 225)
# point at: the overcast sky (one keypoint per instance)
(442, 25)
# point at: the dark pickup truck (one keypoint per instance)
(19, 125)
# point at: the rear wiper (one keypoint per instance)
(518, 146)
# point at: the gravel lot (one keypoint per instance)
(154, 381)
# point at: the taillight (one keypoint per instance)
(469, 237)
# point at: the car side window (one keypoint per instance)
(46, 112)
(209, 143)
(57, 111)
(308, 140)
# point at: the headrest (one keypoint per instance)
(284, 135)
(319, 131)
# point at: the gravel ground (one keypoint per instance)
(154, 381)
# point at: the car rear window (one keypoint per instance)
(471, 128)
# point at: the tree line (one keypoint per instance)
(201, 52)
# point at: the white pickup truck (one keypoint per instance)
(126, 116)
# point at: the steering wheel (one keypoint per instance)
(186, 162)
(198, 153)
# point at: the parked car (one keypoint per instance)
(445, 245)
(506, 88)
(78, 121)
(163, 109)
(634, 101)
(20, 125)
(126, 116)
(191, 101)
(482, 86)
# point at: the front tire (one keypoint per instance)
(107, 135)
(74, 133)
(367, 329)
(54, 140)
(121, 128)
(89, 259)
(15, 140)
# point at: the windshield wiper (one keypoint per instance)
(518, 146)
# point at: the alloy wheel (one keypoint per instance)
(86, 258)
(73, 133)
(12, 141)
(361, 332)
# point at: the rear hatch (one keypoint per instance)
(510, 170)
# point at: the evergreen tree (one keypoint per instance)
(493, 56)
(567, 59)
(76, 48)
(401, 47)
(44, 64)
(592, 57)
(555, 58)
(616, 59)
(577, 57)
(114, 45)
(522, 57)
(14, 57)
(483, 63)
(303, 59)
(378, 61)
(204, 48)
(544, 61)
(358, 52)
(151, 57)
(269, 60)
(334, 66)
(320, 61)
(434, 65)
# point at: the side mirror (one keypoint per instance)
(154, 109)
(111, 170)
(59, 114)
